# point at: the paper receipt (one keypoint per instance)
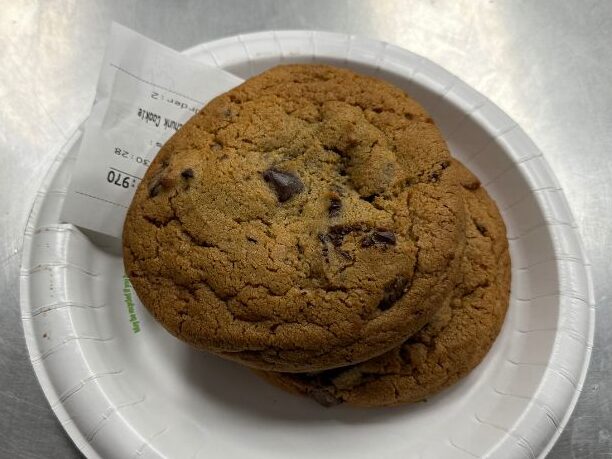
(145, 93)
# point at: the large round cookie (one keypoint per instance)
(307, 219)
(450, 346)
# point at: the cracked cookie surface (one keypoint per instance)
(305, 220)
(450, 346)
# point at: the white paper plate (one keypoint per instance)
(123, 394)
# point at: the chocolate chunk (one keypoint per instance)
(325, 398)
(336, 238)
(187, 173)
(285, 184)
(379, 237)
(337, 151)
(335, 205)
(370, 198)
(154, 188)
(481, 229)
(384, 237)
(324, 240)
(393, 292)
(252, 240)
(471, 185)
(367, 241)
(326, 377)
(336, 234)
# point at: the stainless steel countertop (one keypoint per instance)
(548, 64)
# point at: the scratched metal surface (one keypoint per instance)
(547, 64)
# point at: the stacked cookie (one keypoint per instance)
(312, 225)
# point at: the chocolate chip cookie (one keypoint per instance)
(305, 220)
(450, 346)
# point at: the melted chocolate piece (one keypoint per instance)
(393, 292)
(336, 233)
(370, 198)
(325, 398)
(324, 239)
(335, 205)
(384, 237)
(379, 237)
(187, 173)
(154, 188)
(285, 184)
(336, 236)
(481, 229)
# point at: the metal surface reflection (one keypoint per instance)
(547, 64)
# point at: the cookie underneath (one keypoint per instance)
(450, 346)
